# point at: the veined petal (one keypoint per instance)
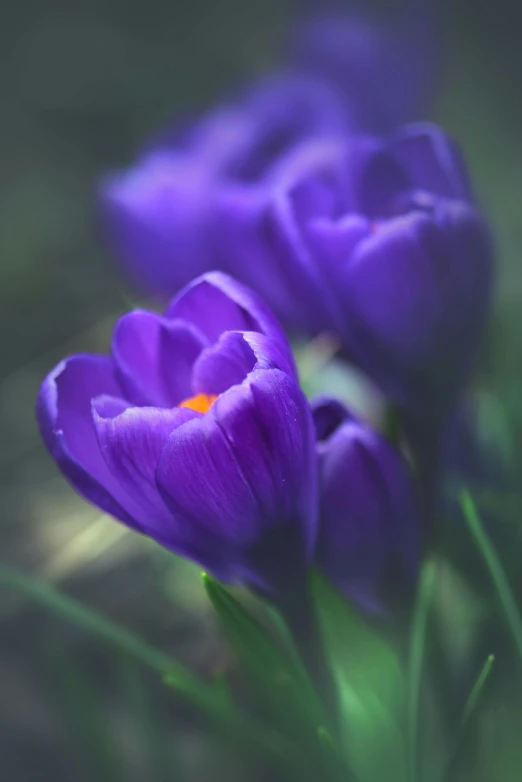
(202, 484)
(268, 423)
(131, 440)
(246, 474)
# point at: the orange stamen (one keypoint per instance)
(201, 403)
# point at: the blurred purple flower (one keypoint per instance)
(159, 217)
(368, 521)
(195, 433)
(383, 66)
(380, 243)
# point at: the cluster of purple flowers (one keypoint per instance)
(195, 431)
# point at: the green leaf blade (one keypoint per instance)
(494, 565)
(417, 653)
(371, 688)
(277, 677)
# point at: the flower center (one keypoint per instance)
(201, 403)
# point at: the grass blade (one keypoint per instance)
(476, 692)
(87, 722)
(158, 745)
(468, 711)
(209, 699)
(496, 571)
(417, 653)
(117, 636)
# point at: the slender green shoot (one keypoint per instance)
(468, 711)
(151, 732)
(476, 692)
(99, 625)
(208, 698)
(496, 571)
(417, 651)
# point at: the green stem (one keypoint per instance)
(299, 615)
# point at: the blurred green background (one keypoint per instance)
(83, 83)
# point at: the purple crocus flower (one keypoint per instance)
(159, 216)
(195, 433)
(380, 243)
(369, 525)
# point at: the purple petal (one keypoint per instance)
(220, 140)
(316, 168)
(269, 353)
(263, 231)
(368, 514)
(318, 307)
(334, 242)
(202, 484)
(224, 364)
(155, 217)
(131, 440)
(154, 358)
(391, 287)
(271, 432)
(215, 303)
(432, 161)
(328, 414)
(284, 110)
(254, 451)
(378, 183)
(417, 294)
(65, 419)
(232, 358)
(245, 241)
